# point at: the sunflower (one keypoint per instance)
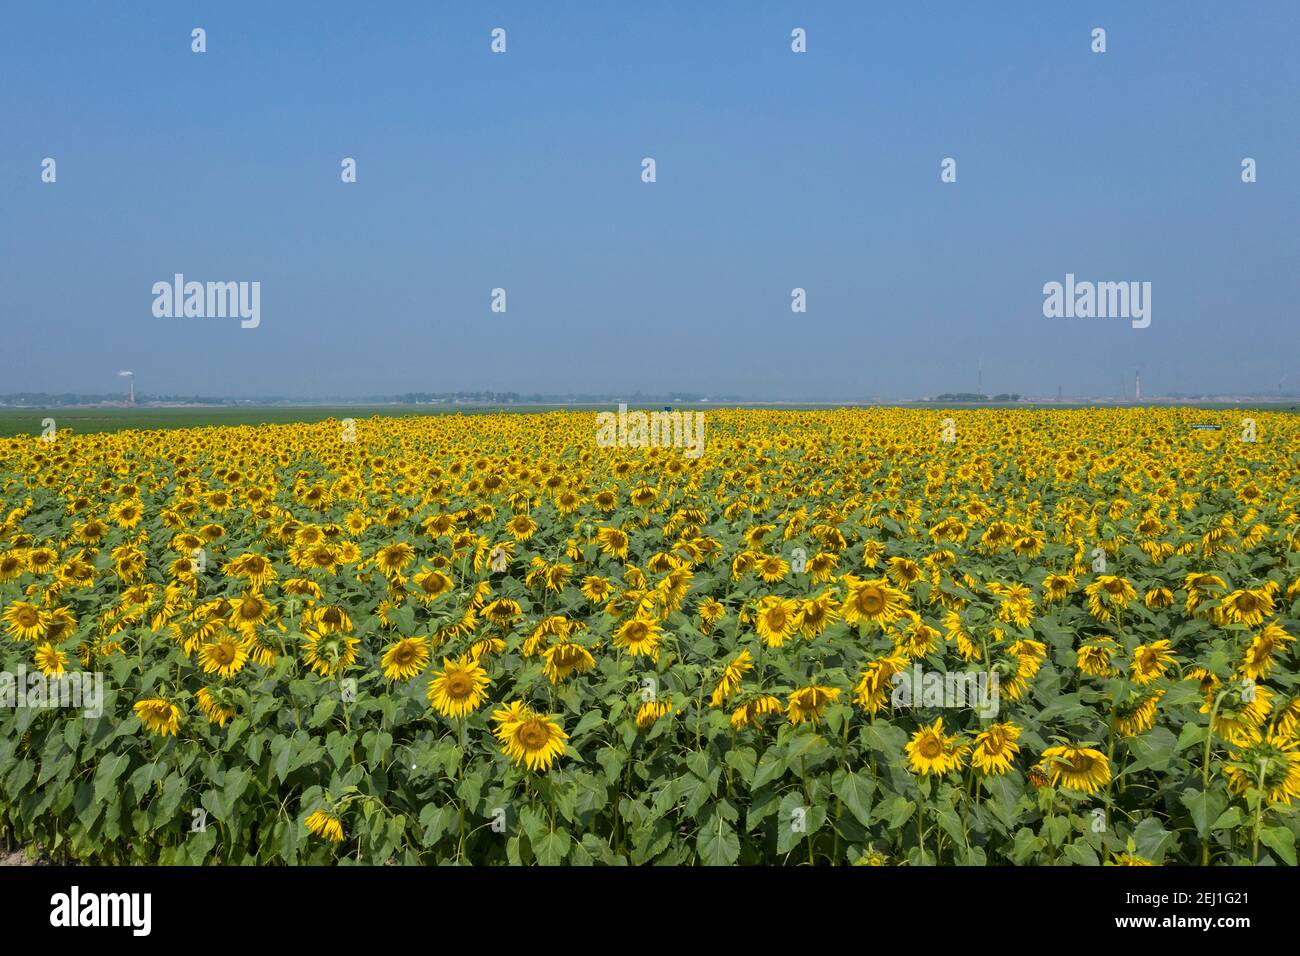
(1158, 598)
(1057, 587)
(1150, 661)
(502, 611)
(1078, 768)
(210, 700)
(530, 739)
(596, 589)
(1242, 710)
(1271, 764)
(814, 615)
(873, 689)
(1107, 594)
(50, 660)
(326, 826)
(1260, 657)
(772, 568)
(809, 703)
(392, 558)
(12, 565)
(521, 527)
(158, 716)
(1138, 716)
(328, 619)
(873, 601)
(777, 619)
(224, 655)
(651, 711)
(752, 712)
(639, 638)
(995, 749)
(711, 612)
(460, 688)
(329, 654)
(565, 659)
(1248, 607)
(431, 585)
(25, 621)
(251, 611)
(1094, 657)
(931, 752)
(729, 682)
(612, 542)
(405, 659)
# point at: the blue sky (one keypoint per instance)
(775, 171)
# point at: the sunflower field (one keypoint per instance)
(484, 639)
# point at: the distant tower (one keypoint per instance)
(979, 379)
(131, 376)
(1137, 384)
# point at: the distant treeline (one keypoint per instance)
(977, 397)
(538, 398)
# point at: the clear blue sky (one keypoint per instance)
(775, 170)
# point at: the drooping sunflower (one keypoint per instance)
(326, 826)
(1094, 657)
(1150, 661)
(732, 674)
(1271, 764)
(12, 565)
(158, 716)
(752, 712)
(1107, 594)
(430, 585)
(874, 687)
(651, 711)
(329, 654)
(406, 658)
(460, 688)
(214, 705)
(1138, 716)
(502, 611)
(1248, 607)
(995, 749)
(565, 659)
(251, 610)
(1261, 656)
(809, 703)
(1078, 768)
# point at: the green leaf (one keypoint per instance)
(1281, 841)
(855, 790)
(717, 843)
(551, 848)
